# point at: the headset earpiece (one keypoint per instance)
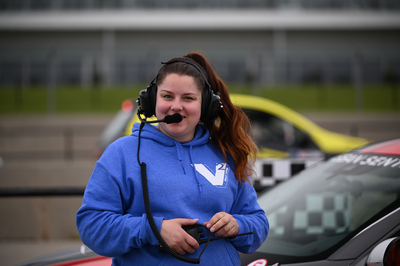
(147, 100)
(211, 104)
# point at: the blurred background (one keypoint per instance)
(264, 47)
(67, 65)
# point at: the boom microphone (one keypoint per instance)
(175, 118)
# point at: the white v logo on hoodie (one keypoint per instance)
(218, 178)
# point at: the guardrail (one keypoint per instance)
(41, 192)
(65, 145)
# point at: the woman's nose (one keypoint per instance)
(176, 105)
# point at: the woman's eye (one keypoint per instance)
(167, 96)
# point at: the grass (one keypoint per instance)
(39, 100)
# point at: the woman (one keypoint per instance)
(197, 172)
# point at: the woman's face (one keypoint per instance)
(179, 94)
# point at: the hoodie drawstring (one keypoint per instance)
(179, 156)
(200, 187)
(195, 173)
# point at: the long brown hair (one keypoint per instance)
(230, 130)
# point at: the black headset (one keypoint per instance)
(211, 102)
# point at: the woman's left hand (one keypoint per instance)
(223, 224)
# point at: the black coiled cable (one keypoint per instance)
(163, 245)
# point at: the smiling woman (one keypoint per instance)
(195, 172)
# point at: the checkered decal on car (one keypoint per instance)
(270, 172)
(317, 214)
(323, 214)
(276, 221)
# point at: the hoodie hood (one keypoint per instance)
(201, 138)
(149, 131)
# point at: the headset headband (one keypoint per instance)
(192, 64)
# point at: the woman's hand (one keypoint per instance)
(223, 224)
(177, 238)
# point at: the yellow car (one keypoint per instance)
(287, 141)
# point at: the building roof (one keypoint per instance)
(149, 20)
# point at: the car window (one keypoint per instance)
(314, 211)
(272, 132)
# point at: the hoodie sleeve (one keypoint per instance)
(102, 223)
(250, 218)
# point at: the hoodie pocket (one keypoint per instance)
(232, 253)
(170, 260)
(222, 253)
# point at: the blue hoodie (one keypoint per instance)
(185, 180)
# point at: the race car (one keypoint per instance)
(344, 211)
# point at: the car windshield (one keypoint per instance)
(312, 212)
(272, 132)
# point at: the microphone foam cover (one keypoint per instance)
(175, 118)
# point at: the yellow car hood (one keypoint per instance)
(329, 142)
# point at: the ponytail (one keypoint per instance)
(230, 130)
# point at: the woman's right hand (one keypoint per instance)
(177, 238)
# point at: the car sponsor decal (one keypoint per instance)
(259, 262)
(369, 160)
